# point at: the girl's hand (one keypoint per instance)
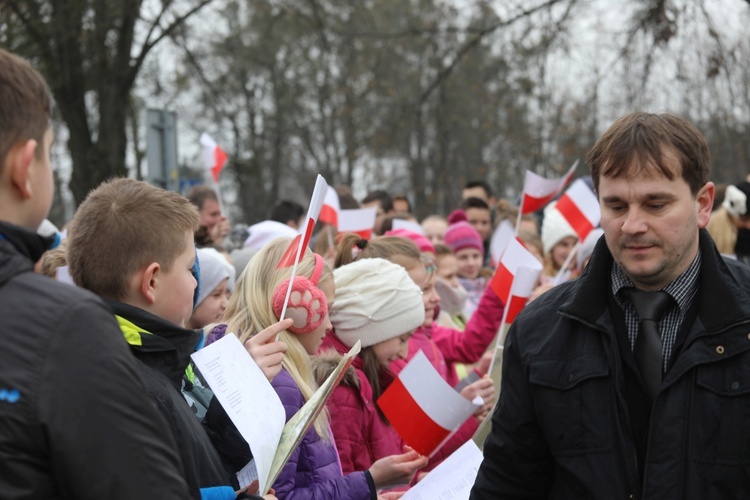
(397, 470)
(484, 388)
(267, 352)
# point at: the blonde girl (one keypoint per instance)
(313, 471)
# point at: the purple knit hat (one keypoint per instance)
(461, 235)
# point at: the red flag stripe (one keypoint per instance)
(329, 215)
(515, 307)
(287, 260)
(501, 282)
(533, 204)
(220, 157)
(575, 217)
(409, 420)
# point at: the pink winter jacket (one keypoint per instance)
(445, 347)
(360, 434)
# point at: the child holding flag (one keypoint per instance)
(313, 471)
(377, 303)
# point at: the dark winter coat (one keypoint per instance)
(561, 428)
(75, 420)
(163, 353)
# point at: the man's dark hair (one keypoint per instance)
(472, 202)
(647, 137)
(199, 194)
(386, 203)
(480, 184)
(402, 197)
(285, 211)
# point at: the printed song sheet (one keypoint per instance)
(452, 479)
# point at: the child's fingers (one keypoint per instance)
(269, 334)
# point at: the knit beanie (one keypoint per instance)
(214, 268)
(422, 242)
(262, 233)
(554, 228)
(461, 235)
(375, 300)
(735, 199)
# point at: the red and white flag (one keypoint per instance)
(358, 220)
(580, 207)
(515, 278)
(214, 157)
(297, 248)
(504, 232)
(538, 191)
(422, 407)
(331, 208)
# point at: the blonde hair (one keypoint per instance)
(122, 226)
(250, 310)
(723, 231)
(52, 259)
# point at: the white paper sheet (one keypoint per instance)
(247, 474)
(246, 396)
(452, 479)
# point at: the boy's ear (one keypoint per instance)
(148, 278)
(19, 160)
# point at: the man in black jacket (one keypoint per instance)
(75, 419)
(579, 416)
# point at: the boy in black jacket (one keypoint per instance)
(69, 427)
(132, 243)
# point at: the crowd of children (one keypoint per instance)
(165, 284)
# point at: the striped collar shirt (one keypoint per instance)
(682, 290)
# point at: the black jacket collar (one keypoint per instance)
(156, 341)
(27, 242)
(721, 299)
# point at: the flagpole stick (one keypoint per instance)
(518, 219)
(564, 267)
(291, 279)
(500, 337)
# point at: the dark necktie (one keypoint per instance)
(650, 307)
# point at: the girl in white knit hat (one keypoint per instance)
(558, 240)
(378, 304)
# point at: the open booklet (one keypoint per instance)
(255, 409)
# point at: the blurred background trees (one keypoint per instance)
(413, 96)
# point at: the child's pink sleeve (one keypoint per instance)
(469, 345)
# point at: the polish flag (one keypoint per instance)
(422, 407)
(297, 248)
(580, 208)
(515, 278)
(331, 208)
(213, 156)
(503, 234)
(358, 220)
(538, 191)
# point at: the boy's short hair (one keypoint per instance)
(285, 211)
(122, 226)
(472, 202)
(25, 104)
